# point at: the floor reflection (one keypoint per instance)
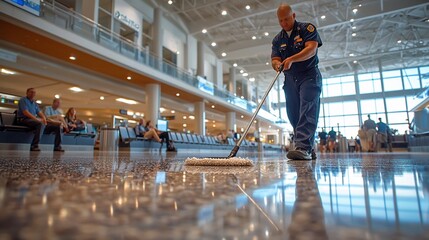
(152, 194)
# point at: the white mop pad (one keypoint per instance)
(234, 161)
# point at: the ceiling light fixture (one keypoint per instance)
(76, 89)
(252, 79)
(177, 94)
(245, 74)
(242, 116)
(39, 101)
(72, 58)
(127, 101)
(267, 63)
(399, 41)
(213, 44)
(354, 61)
(253, 37)
(355, 10)
(185, 117)
(351, 54)
(204, 30)
(192, 117)
(235, 65)
(5, 71)
(223, 54)
(57, 96)
(241, 71)
(247, 7)
(323, 17)
(101, 98)
(172, 111)
(354, 27)
(224, 12)
(266, 33)
(177, 52)
(213, 106)
(354, 34)
(170, 2)
(352, 20)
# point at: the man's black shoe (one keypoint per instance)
(58, 150)
(299, 154)
(35, 149)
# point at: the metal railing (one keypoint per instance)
(77, 23)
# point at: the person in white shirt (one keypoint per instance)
(54, 114)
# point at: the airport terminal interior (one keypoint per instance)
(199, 73)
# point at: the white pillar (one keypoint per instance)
(200, 60)
(281, 137)
(219, 75)
(158, 35)
(230, 121)
(153, 102)
(232, 86)
(200, 118)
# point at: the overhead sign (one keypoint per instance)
(31, 6)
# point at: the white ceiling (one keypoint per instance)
(379, 25)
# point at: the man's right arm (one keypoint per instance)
(29, 115)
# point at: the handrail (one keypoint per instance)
(76, 23)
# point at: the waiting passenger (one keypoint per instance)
(30, 115)
(148, 131)
(371, 134)
(54, 115)
(73, 123)
(332, 138)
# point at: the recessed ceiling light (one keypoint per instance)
(351, 54)
(245, 74)
(399, 41)
(352, 20)
(223, 54)
(267, 63)
(5, 71)
(128, 78)
(235, 65)
(127, 101)
(354, 61)
(170, 2)
(224, 12)
(354, 34)
(204, 30)
(354, 27)
(57, 96)
(214, 125)
(252, 79)
(185, 117)
(266, 33)
(191, 117)
(213, 44)
(76, 89)
(178, 94)
(355, 10)
(213, 121)
(323, 17)
(241, 71)
(90, 119)
(213, 106)
(101, 98)
(39, 101)
(360, 5)
(177, 52)
(72, 58)
(253, 37)
(247, 7)
(172, 111)
(242, 116)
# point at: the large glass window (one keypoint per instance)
(395, 104)
(424, 75)
(392, 80)
(339, 86)
(105, 13)
(369, 82)
(369, 106)
(411, 78)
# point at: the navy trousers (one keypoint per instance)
(39, 128)
(303, 104)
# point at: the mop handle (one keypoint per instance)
(259, 107)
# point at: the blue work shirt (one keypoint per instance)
(323, 135)
(332, 135)
(382, 127)
(27, 104)
(284, 46)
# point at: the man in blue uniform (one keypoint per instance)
(295, 47)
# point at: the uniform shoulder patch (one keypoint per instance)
(310, 28)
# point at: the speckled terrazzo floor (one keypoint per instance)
(78, 195)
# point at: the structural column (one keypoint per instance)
(153, 102)
(232, 86)
(200, 60)
(230, 121)
(281, 139)
(219, 75)
(200, 117)
(158, 35)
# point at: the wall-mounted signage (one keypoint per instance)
(125, 19)
(31, 6)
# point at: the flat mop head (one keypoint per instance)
(234, 161)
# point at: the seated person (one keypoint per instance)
(30, 115)
(54, 115)
(142, 131)
(73, 123)
(151, 132)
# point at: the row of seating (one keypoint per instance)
(17, 137)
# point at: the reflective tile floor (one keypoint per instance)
(152, 195)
